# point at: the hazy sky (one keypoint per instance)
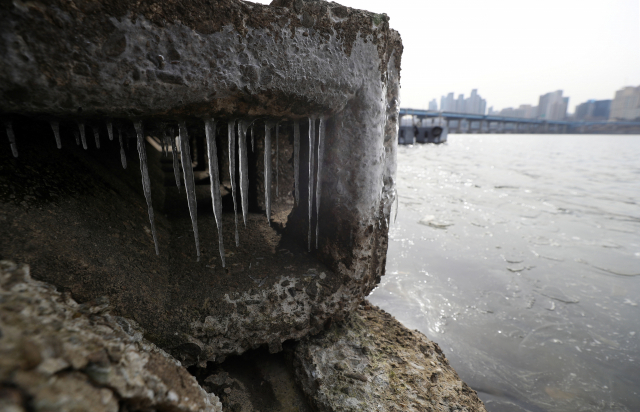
(513, 51)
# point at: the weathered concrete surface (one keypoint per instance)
(373, 363)
(92, 61)
(57, 355)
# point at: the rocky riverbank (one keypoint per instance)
(58, 355)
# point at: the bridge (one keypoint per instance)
(478, 123)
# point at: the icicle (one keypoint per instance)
(321, 129)
(146, 184)
(312, 143)
(167, 142)
(277, 153)
(12, 139)
(123, 157)
(189, 184)
(174, 152)
(76, 134)
(232, 170)
(96, 135)
(110, 130)
(56, 133)
(267, 168)
(82, 136)
(244, 168)
(296, 158)
(214, 178)
(253, 139)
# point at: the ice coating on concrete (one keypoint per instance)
(189, 183)
(55, 126)
(214, 177)
(296, 159)
(232, 170)
(146, 183)
(277, 70)
(244, 168)
(312, 144)
(321, 132)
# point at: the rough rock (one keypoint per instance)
(371, 362)
(81, 221)
(58, 355)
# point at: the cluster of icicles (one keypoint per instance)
(189, 183)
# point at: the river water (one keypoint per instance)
(520, 256)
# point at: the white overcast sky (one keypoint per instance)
(513, 51)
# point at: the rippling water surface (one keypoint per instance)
(520, 255)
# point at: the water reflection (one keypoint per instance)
(520, 255)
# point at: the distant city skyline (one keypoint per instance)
(514, 51)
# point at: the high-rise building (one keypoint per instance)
(552, 106)
(473, 104)
(460, 106)
(447, 104)
(433, 105)
(593, 110)
(626, 104)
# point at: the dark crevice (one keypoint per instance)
(255, 380)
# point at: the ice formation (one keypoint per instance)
(253, 139)
(214, 178)
(232, 171)
(146, 184)
(244, 167)
(267, 168)
(96, 135)
(56, 133)
(189, 183)
(76, 134)
(174, 152)
(123, 156)
(312, 144)
(296, 158)
(110, 130)
(82, 136)
(321, 131)
(12, 139)
(277, 156)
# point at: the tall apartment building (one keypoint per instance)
(433, 105)
(460, 107)
(593, 110)
(473, 104)
(552, 106)
(626, 104)
(447, 104)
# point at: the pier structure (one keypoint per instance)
(478, 123)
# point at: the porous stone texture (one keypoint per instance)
(91, 61)
(371, 362)
(57, 355)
